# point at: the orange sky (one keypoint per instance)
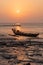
(12, 11)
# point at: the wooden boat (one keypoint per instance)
(17, 32)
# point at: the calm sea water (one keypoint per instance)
(32, 28)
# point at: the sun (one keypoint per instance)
(17, 11)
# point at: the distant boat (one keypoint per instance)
(17, 32)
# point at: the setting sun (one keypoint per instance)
(27, 11)
(17, 11)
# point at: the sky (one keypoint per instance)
(21, 11)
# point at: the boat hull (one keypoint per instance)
(25, 34)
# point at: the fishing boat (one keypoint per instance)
(17, 32)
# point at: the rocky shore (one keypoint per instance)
(14, 52)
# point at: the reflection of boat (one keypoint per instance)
(17, 32)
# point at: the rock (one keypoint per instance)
(8, 56)
(27, 64)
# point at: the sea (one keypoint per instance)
(21, 50)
